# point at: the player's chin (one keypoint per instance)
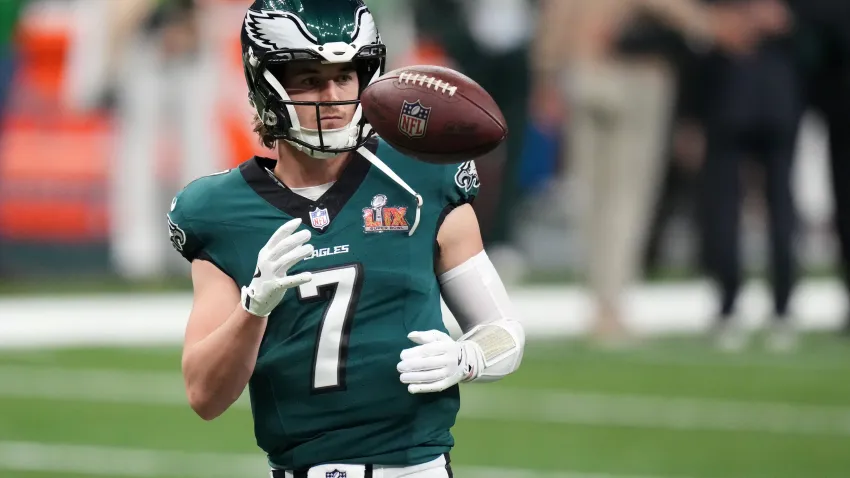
(334, 123)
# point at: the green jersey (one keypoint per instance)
(325, 388)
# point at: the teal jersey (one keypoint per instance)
(325, 388)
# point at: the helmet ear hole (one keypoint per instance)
(269, 118)
(276, 115)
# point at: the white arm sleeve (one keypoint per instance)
(476, 297)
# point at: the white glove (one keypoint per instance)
(438, 362)
(270, 282)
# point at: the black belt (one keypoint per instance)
(367, 472)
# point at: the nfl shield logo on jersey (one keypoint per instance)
(414, 119)
(335, 474)
(319, 218)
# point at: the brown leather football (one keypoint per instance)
(434, 114)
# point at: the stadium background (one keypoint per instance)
(89, 346)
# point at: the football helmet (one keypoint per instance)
(277, 32)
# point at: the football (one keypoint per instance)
(434, 114)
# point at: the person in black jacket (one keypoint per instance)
(823, 34)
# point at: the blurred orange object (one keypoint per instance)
(53, 165)
(43, 43)
(425, 52)
(54, 177)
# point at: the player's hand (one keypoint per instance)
(438, 362)
(270, 282)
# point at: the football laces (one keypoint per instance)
(427, 81)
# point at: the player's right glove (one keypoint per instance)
(270, 282)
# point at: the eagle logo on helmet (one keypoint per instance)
(278, 30)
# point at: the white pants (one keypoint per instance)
(433, 469)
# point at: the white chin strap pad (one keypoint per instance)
(476, 296)
(338, 138)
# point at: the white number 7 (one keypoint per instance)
(340, 286)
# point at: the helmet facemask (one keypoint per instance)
(277, 111)
(322, 142)
(277, 34)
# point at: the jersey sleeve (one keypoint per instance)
(183, 232)
(461, 184)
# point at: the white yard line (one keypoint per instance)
(709, 358)
(640, 411)
(479, 402)
(129, 462)
(487, 472)
(99, 386)
(100, 461)
(550, 311)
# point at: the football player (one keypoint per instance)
(318, 274)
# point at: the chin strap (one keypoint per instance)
(392, 175)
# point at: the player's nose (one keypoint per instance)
(331, 92)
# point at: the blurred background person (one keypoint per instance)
(620, 100)
(674, 219)
(822, 29)
(753, 109)
(488, 40)
(155, 65)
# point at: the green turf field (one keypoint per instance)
(671, 409)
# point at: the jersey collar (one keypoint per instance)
(256, 172)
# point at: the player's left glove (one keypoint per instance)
(438, 362)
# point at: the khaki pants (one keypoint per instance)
(619, 118)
